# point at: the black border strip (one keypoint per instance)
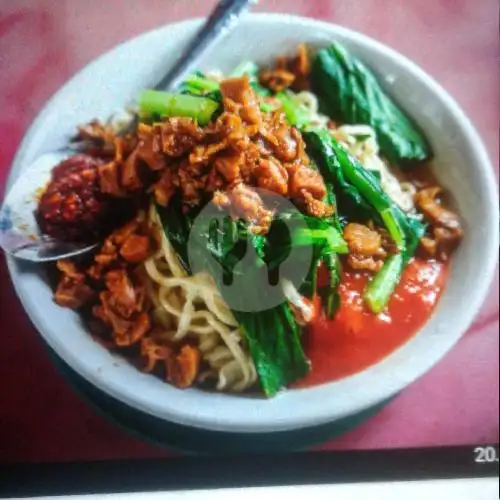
(191, 473)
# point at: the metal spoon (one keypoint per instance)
(19, 234)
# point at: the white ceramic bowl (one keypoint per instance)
(461, 164)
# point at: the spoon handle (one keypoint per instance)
(221, 21)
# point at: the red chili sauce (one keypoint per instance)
(73, 206)
(357, 338)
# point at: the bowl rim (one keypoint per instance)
(252, 422)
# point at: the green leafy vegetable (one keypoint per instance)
(309, 287)
(363, 196)
(296, 115)
(349, 199)
(350, 93)
(153, 102)
(327, 250)
(177, 227)
(272, 334)
(323, 235)
(273, 339)
(358, 195)
(330, 293)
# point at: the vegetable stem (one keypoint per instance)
(200, 83)
(296, 114)
(154, 102)
(331, 294)
(329, 236)
(381, 287)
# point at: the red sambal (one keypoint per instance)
(357, 338)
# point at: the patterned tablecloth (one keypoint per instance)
(44, 42)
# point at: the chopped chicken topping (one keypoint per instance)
(445, 228)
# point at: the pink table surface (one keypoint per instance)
(44, 42)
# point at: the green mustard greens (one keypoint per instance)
(361, 197)
(358, 196)
(349, 93)
(272, 334)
